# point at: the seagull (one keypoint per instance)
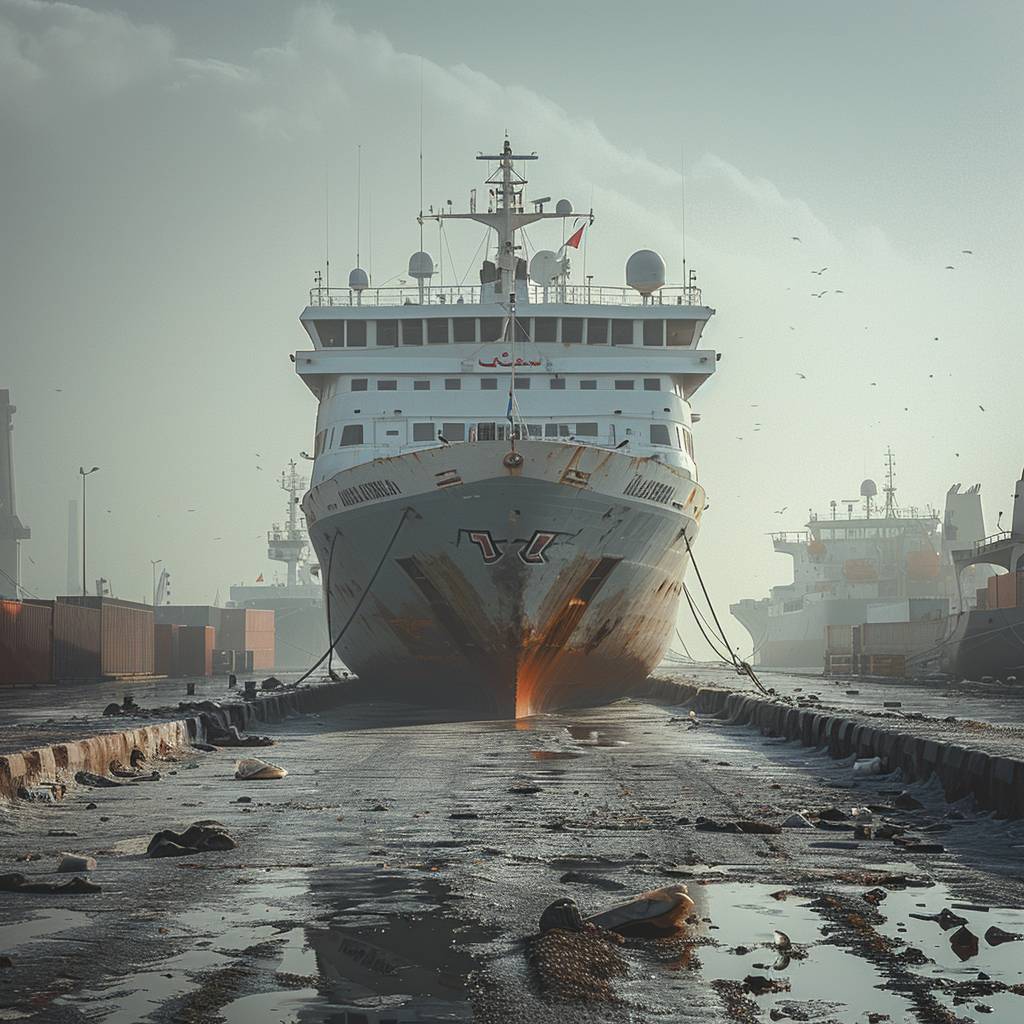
(838, 291)
(874, 384)
(779, 511)
(58, 389)
(967, 252)
(442, 438)
(819, 272)
(949, 266)
(818, 295)
(795, 238)
(802, 376)
(982, 408)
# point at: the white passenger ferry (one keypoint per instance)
(504, 486)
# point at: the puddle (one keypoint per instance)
(587, 736)
(41, 923)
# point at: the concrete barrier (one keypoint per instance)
(60, 761)
(995, 783)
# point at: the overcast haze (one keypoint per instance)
(162, 208)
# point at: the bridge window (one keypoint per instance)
(489, 384)
(423, 432)
(522, 331)
(355, 334)
(452, 384)
(533, 429)
(622, 332)
(492, 328)
(522, 383)
(545, 328)
(556, 429)
(332, 333)
(387, 385)
(421, 385)
(464, 330)
(387, 333)
(454, 431)
(556, 383)
(412, 332)
(680, 332)
(625, 384)
(654, 332)
(597, 331)
(572, 331)
(437, 331)
(486, 432)
(586, 430)
(351, 434)
(652, 383)
(359, 383)
(659, 434)
(588, 385)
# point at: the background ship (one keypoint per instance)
(300, 623)
(885, 564)
(504, 488)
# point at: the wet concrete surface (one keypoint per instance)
(394, 874)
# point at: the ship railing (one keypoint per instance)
(470, 295)
(791, 537)
(994, 540)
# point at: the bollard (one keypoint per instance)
(190, 689)
(250, 687)
(232, 680)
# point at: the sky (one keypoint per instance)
(165, 169)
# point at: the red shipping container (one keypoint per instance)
(165, 649)
(26, 642)
(126, 634)
(195, 651)
(239, 625)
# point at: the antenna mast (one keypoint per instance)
(359, 199)
(421, 156)
(890, 484)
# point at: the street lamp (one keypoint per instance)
(84, 473)
(154, 563)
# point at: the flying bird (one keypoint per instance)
(949, 266)
(818, 295)
(819, 272)
(838, 291)
(967, 252)
(802, 376)
(795, 238)
(874, 384)
(779, 511)
(982, 408)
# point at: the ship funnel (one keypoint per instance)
(645, 271)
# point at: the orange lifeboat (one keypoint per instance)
(860, 570)
(816, 549)
(922, 565)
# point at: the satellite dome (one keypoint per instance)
(868, 489)
(544, 267)
(421, 265)
(563, 207)
(358, 280)
(645, 271)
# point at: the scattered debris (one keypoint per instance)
(271, 683)
(869, 766)
(96, 781)
(759, 985)
(906, 802)
(797, 820)
(231, 737)
(253, 769)
(946, 919)
(996, 936)
(875, 896)
(73, 862)
(562, 914)
(19, 883)
(43, 792)
(525, 789)
(585, 878)
(658, 912)
(964, 943)
(750, 828)
(199, 837)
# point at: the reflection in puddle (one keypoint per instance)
(587, 736)
(41, 923)
(554, 755)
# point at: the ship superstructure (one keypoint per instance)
(864, 561)
(504, 481)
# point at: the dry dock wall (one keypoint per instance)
(995, 782)
(60, 761)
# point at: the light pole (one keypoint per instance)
(84, 473)
(154, 563)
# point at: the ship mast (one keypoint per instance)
(287, 545)
(890, 484)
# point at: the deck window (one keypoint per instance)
(522, 383)
(492, 328)
(652, 383)
(588, 385)
(522, 330)
(488, 383)
(332, 333)
(453, 384)
(625, 384)
(387, 333)
(387, 385)
(359, 383)
(351, 434)
(533, 429)
(572, 330)
(654, 332)
(545, 328)
(423, 432)
(680, 332)
(586, 430)
(659, 434)
(597, 331)
(437, 331)
(355, 334)
(412, 332)
(486, 432)
(464, 330)
(556, 429)
(454, 431)
(622, 332)
(421, 385)
(556, 383)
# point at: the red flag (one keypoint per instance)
(574, 241)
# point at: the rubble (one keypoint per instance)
(199, 837)
(251, 769)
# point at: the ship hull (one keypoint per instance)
(516, 588)
(982, 642)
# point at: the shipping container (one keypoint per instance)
(77, 637)
(900, 638)
(839, 639)
(26, 642)
(883, 665)
(188, 615)
(238, 626)
(195, 651)
(165, 648)
(1002, 590)
(126, 634)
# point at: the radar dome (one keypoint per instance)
(357, 280)
(868, 489)
(563, 207)
(544, 267)
(421, 265)
(645, 271)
